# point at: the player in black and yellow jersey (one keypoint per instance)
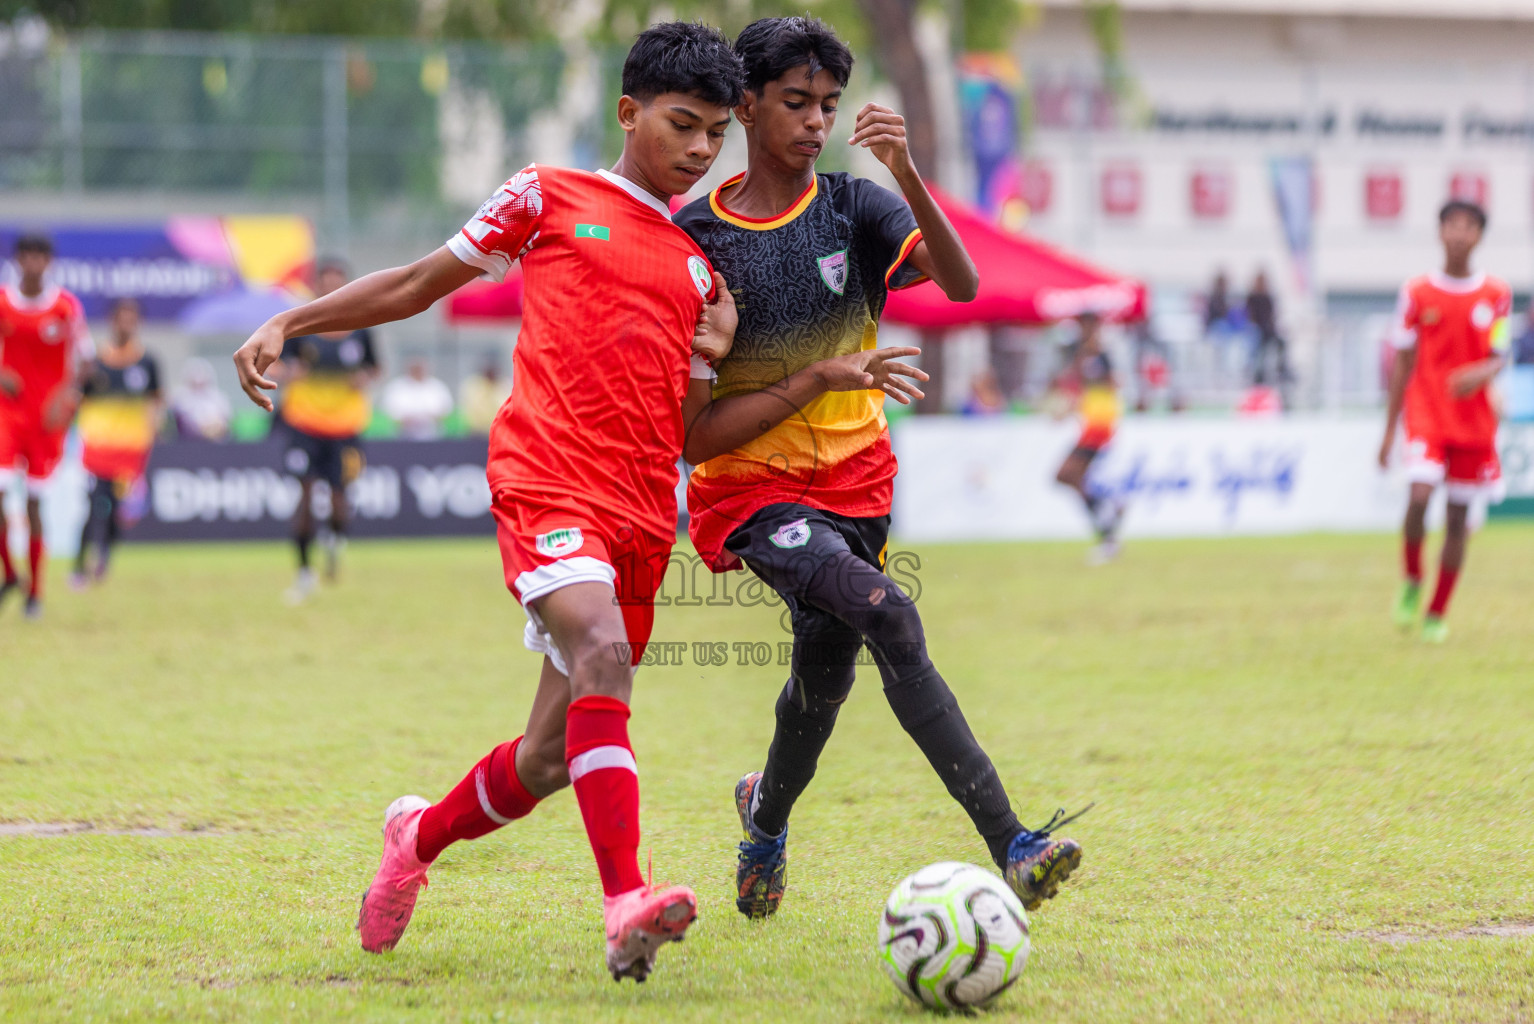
(809, 259)
(324, 411)
(119, 416)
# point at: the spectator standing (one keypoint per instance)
(985, 396)
(200, 409)
(418, 403)
(1262, 312)
(481, 397)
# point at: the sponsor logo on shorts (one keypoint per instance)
(792, 535)
(1482, 315)
(833, 270)
(558, 543)
(699, 272)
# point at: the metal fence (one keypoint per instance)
(361, 124)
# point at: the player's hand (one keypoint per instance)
(1385, 448)
(254, 358)
(1467, 380)
(715, 331)
(60, 408)
(10, 382)
(873, 370)
(881, 131)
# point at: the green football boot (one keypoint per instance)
(1434, 630)
(1408, 603)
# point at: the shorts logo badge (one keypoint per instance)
(699, 272)
(833, 270)
(1482, 315)
(792, 535)
(558, 543)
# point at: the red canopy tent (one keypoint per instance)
(487, 300)
(1022, 281)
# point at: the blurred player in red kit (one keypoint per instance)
(43, 343)
(620, 309)
(1451, 340)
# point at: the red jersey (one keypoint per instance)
(1451, 322)
(612, 291)
(43, 339)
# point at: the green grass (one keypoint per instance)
(1282, 782)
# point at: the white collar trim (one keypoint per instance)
(47, 297)
(1457, 285)
(635, 191)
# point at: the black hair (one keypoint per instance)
(771, 47)
(1472, 210)
(685, 57)
(124, 302)
(34, 243)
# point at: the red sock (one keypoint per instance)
(5, 550)
(1414, 560)
(606, 781)
(1446, 581)
(35, 563)
(488, 797)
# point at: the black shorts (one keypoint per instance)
(336, 460)
(785, 544)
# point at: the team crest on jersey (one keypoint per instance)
(698, 271)
(833, 270)
(136, 378)
(558, 543)
(52, 331)
(792, 535)
(1482, 315)
(350, 352)
(1431, 316)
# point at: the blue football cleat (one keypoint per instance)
(761, 876)
(1037, 862)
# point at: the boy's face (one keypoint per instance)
(32, 264)
(124, 321)
(673, 139)
(1460, 234)
(793, 115)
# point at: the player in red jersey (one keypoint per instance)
(1451, 340)
(43, 343)
(582, 464)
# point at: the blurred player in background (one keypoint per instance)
(43, 343)
(1451, 341)
(582, 466)
(119, 415)
(1087, 379)
(810, 258)
(324, 412)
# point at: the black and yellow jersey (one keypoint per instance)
(809, 284)
(324, 400)
(117, 420)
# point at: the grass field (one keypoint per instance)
(1301, 815)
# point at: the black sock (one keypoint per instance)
(303, 541)
(885, 616)
(824, 664)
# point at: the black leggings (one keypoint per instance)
(101, 527)
(838, 606)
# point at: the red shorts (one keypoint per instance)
(1095, 436)
(1469, 471)
(548, 543)
(23, 439)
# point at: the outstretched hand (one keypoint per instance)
(873, 370)
(715, 331)
(254, 358)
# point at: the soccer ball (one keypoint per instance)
(953, 936)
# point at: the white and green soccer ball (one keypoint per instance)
(953, 936)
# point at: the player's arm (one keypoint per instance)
(1404, 341)
(940, 254)
(714, 427)
(1467, 380)
(378, 298)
